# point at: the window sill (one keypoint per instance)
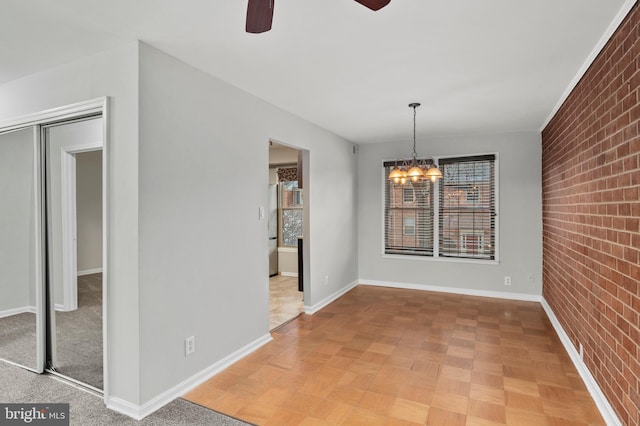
(440, 259)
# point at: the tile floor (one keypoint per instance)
(285, 301)
(404, 357)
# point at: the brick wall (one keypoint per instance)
(591, 215)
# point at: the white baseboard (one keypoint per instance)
(287, 249)
(140, 412)
(124, 407)
(63, 308)
(455, 290)
(289, 274)
(324, 302)
(607, 412)
(16, 311)
(89, 272)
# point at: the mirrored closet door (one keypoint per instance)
(21, 334)
(73, 153)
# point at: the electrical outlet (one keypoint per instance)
(507, 280)
(326, 280)
(189, 345)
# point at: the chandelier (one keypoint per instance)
(414, 170)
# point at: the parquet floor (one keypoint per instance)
(404, 357)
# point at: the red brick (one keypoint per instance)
(631, 255)
(591, 217)
(624, 209)
(630, 194)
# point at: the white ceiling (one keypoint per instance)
(477, 66)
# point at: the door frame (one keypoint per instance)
(97, 106)
(304, 161)
(69, 223)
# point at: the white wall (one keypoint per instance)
(288, 261)
(115, 74)
(519, 215)
(203, 251)
(89, 210)
(17, 214)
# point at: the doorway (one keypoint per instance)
(286, 230)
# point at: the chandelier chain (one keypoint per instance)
(415, 154)
(414, 171)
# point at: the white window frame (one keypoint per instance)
(436, 224)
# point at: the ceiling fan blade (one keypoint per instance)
(374, 4)
(259, 16)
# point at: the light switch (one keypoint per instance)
(261, 213)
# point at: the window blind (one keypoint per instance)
(408, 215)
(467, 211)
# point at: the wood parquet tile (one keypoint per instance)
(403, 357)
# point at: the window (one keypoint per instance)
(466, 212)
(473, 193)
(408, 195)
(409, 226)
(408, 217)
(292, 213)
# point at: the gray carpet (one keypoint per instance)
(21, 386)
(79, 356)
(18, 339)
(79, 334)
